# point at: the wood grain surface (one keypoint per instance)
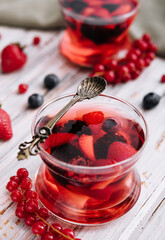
(146, 220)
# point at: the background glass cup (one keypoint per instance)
(96, 29)
(89, 195)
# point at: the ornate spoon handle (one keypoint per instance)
(87, 89)
(32, 147)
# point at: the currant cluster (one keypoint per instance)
(28, 209)
(129, 68)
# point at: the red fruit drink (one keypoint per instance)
(88, 176)
(96, 29)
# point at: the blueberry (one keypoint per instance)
(51, 81)
(35, 100)
(111, 125)
(150, 100)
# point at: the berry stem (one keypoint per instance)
(56, 230)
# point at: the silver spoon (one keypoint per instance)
(87, 89)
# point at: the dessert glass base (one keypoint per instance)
(44, 185)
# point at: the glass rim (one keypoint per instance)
(113, 20)
(66, 165)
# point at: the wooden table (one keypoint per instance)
(146, 220)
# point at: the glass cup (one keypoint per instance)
(97, 29)
(95, 191)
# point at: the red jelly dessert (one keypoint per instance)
(96, 29)
(88, 176)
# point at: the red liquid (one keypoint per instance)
(96, 29)
(90, 197)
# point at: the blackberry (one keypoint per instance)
(65, 152)
(77, 127)
(150, 100)
(102, 144)
(110, 7)
(57, 128)
(97, 34)
(77, 5)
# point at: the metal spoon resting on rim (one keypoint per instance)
(87, 89)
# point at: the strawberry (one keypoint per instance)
(120, 151)
(93, 118)
(86, 146)
(58, 139)
(5, 125)
(12, 58)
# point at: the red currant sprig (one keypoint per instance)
(28, 209)
(129, 68)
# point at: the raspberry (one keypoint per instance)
(93, 118)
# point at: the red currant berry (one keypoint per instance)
(123, 70)
(21, 204)
(131, 66)
(20, 212)
(140, 64)
(15, 179)
(99, 68)
(36, 40)
(163, 78)
(22, 88)
(152, 47)
(26, 183)
(138, 52)
(68, 232)
(16, 196)
(43, 213)
(48, 236)
(109, 76)
(146, 37)
(92, 74)
(147, 61)
(117, 80)
(132, 56)
(22, 172)
(30, 219)
(29, 194)
(126, 78)
(150, 55)
(141, 44)
(31, 205)
(135, 74)
(112, 64)
(39, 228)
(12, 185)
(58, 227)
